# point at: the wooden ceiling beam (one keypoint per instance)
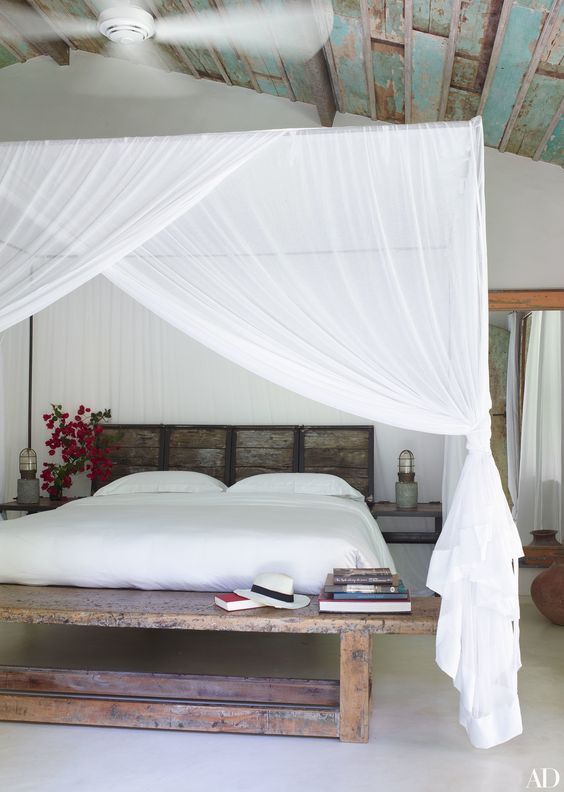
(449, 57)
(548, 30)
(367, 52)
(319, 79)
(408, 58)
(496, 51)
(526, 299)
(555, 120)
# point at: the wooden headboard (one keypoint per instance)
(231, 453)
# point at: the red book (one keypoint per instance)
(233, 602)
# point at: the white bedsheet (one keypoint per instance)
(197, 542)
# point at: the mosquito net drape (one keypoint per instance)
(347, 265)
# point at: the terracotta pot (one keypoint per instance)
(545, 537)
(547, 590)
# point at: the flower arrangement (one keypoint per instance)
(78, 440)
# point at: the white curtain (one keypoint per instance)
(350, 266)
(540, 479)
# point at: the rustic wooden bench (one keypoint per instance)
(319, 708)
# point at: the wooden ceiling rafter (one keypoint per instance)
(548, 30)
(367, 53)
(336, 87)
(189, 9)
(320, 83)
(449, 57)
(496, 52)
(241, 55)
(408, 58)
(278, 59)
(555, 120)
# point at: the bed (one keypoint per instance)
(184, 530)
(93, 553)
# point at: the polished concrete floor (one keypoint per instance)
(416, 744)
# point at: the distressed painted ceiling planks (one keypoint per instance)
(398, 61)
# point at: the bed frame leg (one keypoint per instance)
(356, 663)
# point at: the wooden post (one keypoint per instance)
(356, 661)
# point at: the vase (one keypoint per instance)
(547, 590)
(545, 537)
(56, 494)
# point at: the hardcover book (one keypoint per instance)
(377, 588)
(370, 596)
(364, 606)
(382, 576)
(233, 602)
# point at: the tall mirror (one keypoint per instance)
(526, 349)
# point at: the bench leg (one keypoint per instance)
(356, 662)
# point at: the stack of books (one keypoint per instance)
(364, 591)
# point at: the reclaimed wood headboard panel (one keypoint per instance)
(231, 453)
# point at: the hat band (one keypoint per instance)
(270, 593)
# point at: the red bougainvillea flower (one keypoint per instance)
(79, 443)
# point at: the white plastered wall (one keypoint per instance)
(97, 97)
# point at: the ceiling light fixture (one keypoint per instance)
(126, 24)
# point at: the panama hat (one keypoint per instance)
(276, 589)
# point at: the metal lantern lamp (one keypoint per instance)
(28, 483)
(406, 486)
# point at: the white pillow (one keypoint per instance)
(298, 483)
(162, 481)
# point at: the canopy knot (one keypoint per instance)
(478, 440)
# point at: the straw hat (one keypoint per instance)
(276, 589)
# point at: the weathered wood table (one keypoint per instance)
(320, 708)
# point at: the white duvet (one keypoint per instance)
(198, 542)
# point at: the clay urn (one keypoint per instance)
(547, 589)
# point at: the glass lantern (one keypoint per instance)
(406, 486)
(28, 463)
(28, 484)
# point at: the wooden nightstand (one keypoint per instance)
(45, 504)
(390, 509)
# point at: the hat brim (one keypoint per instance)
(300, 600)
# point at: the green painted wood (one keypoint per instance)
(203, 62)
(422, 15)
(377, 18)
(387, 65)
(347, 45)
(428, 65)
(523, 30)
(540, 105)
(298, 79)
(472, 26)
(394, 20)
(440, 17)
(232, 63)
(554, 150)
(464, 73)
(555, 50)
(461, 105)
(272, 86)
(348, 8)
(7, 58)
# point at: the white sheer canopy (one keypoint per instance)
(347, 265)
